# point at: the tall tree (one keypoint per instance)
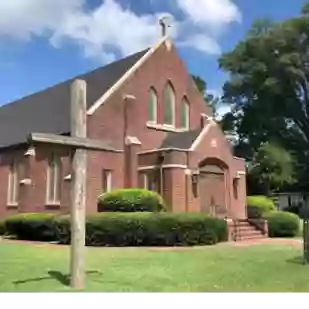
(271, 167)
(269, 86)
(213, 101)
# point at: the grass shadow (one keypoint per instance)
(298, 260)
(64, 279)
(60, 277)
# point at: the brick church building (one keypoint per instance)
(156, 130)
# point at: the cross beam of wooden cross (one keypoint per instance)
(78, 142)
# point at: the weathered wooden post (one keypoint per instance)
(78, 189)
(78, 143)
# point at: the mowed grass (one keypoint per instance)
(203, 269)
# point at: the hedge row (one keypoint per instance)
(124, 229)
(131, 200)
(280, 223)
(2, 227)
(31, 226)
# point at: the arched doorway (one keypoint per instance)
(212, 187)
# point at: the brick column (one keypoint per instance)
(132, 147)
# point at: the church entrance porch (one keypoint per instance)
(212, 188)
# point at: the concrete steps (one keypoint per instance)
(243, 230)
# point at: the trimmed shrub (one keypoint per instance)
(258, 206)
(282, 224)
(31, 226)
(2, 227)
(131, 200)
(147, 229)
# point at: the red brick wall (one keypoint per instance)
(240, 203)
(32, 198)
(107, 122)
(221, 151)
(97, 161)
(5, 161)
(174, 185)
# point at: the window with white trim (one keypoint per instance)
(107, 180)
(13, 184)
(152, 106)
(150, 181)
(184, 114)
(54, 181)
(169, 105)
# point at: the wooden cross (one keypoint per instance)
(78, 142)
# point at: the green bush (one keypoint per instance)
(31, 226)
(258, 206)
(282, 224)
(147, 229)
(2, 227)
(131, 200)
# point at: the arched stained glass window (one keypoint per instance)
(169, 105)
(184, 114)
(152, 106)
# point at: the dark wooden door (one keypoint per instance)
(212, 192)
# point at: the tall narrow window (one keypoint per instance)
(184, 114)
(152, 106)
(169, 105)
(145, 180)
(149, 181)
(13, 184)
(107, 180)
(152, 180)
(54, 180)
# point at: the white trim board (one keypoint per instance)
(164, 166)
(124, 77)
(202, 134)
(163, 149)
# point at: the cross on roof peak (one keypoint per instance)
(164, 23)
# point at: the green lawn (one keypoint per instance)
(216, 268)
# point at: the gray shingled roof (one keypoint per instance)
(181, 140)
(48, 111)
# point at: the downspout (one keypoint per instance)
(125, 152)
(161, 176)
(187, 184)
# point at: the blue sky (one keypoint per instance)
(60, 39)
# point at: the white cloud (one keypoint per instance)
(19, 19)
(202, 43)
(210, 12)
(109, 27)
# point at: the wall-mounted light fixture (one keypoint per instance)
(195, 177)
(68, 177)
(236, 178)
(26, 181)
(30, 152)
(129, 97)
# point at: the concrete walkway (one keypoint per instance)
(297, 242)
